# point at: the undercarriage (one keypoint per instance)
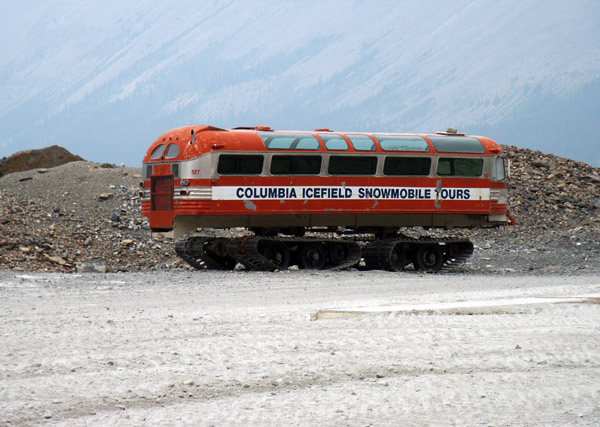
(276, 252)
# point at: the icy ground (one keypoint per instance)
(239, 348)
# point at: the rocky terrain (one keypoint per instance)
(85, 216)
(556, 204)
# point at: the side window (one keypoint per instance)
(402, 143)
(418, 166)
(234, 164)
(454, 166)
(499, 171)
(296, 165)
(147, 172)
(334, 141)
(279, 142)
(457, 144)
(289, 141)
(306, 143)
(362, 142)
(352, 165)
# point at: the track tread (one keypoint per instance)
(375, 253)
(193, 249)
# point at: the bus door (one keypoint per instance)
(161, 196)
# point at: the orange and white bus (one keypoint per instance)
(291, 181)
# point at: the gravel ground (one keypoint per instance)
(238, 348)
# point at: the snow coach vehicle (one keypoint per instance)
(278, 185)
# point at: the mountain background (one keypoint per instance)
(105, 79)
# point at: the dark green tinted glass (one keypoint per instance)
(407, 166)
(352, 165)
(233, 164)
(450, 166)
(296, 165)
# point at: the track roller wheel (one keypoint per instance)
(313, 256)
(226, 263)
(458, 249)
(338, 252)
(396, 259)
(277, 253)
(429, 258)
(218, 251)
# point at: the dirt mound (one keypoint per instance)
(84, 214)
(46, 158)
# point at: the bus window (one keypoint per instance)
(334, 141)
(158, 152)
(454, 166)
(352, 165)
(402, 143)
(234, 164)
(296, 165)
(457, 144)
(172, 151)
(290, 141)
(416, 166)
(306, 143)
(499, 174)
(362, 142)
(147, 172)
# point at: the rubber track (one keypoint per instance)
(458, 260)
(193, 249)
(245, 251)
(377, 252)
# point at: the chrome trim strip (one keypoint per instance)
(194, 193)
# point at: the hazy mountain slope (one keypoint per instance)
(105, 79)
